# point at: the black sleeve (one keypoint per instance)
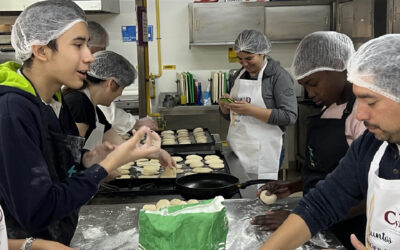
(81, 108)
(103, 119)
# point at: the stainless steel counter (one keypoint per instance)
(116, 226)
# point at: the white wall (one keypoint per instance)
(174, 23)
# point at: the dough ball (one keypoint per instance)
(124, 171)
(167, 132)
(141, 160)
(151, 168)
(201, 140)
(185, 142)
(192, 201)
(178, 165)
(182, 130)
(179, 171)
(126, 166)
(209, 157)
(196, 164)
(162, 203)
(169, 172)
(267, 199)
(216, 165)
(193, 157)
(124, 176)
(189, 161)
(211, 161)
(197, 129)
(175, 202)
(149, 207)
(177, 158)
(202, 170)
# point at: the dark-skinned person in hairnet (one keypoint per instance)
(40, 147)
(319, 65)
(122, 122)
(264, 105)
(370, 169)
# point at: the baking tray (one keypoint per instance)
(194, 146)
(134, 181)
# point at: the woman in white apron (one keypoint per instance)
(265, 103)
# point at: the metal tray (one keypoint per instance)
(194, 146)
(134, 181)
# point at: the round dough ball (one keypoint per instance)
(124, 176)
(209, 157)
(169, 132)
(179, 171)
(211, 161)
(175, 202)
(197, 129)
(267, 199)
(178, 165)
(142, 160)
(149, 207)
(216, 165)
(191, 157)
(124, 171)
(196, 164)
(177, 158)
(202, 170)
(201, 140)
(162, 203)
(192, 201)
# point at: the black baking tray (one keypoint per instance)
(134, 181)
(194, 146)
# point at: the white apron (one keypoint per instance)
(383, 208)
(96, 137)
(3, 232)
(257, 144)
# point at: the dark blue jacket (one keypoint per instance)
(347, 185)
(29, 196)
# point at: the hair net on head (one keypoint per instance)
(42, 22)
(321, 51)
(252, 41)
(376, 66)
(98, 36)
(110, 65)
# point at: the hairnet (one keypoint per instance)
(376, 65)
(322, 51)
(110, 65)
(252, 41)
(42, 22)
(98, 36)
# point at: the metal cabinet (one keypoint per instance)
(393, 16)
(285, 23)
(345, 18)
(221, 23)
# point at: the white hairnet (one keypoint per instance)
(376, 66)
(321, 51)
(110, 65)
(252, 41)
(98, 36)
(42, 22)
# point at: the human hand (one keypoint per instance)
(132, 149)
(223, 105)
(279, 188)
(98, 154)
(112, 176)
(240, 107)
(146, 121)
(40, 244)
(358, 245)
(271, 220)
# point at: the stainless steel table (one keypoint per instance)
(116, 226)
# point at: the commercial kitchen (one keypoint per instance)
(183, 51)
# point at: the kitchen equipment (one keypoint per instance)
(207, 186)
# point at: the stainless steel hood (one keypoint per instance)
(91, 6)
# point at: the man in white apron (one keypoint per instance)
(263, 94)
(371, 168)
